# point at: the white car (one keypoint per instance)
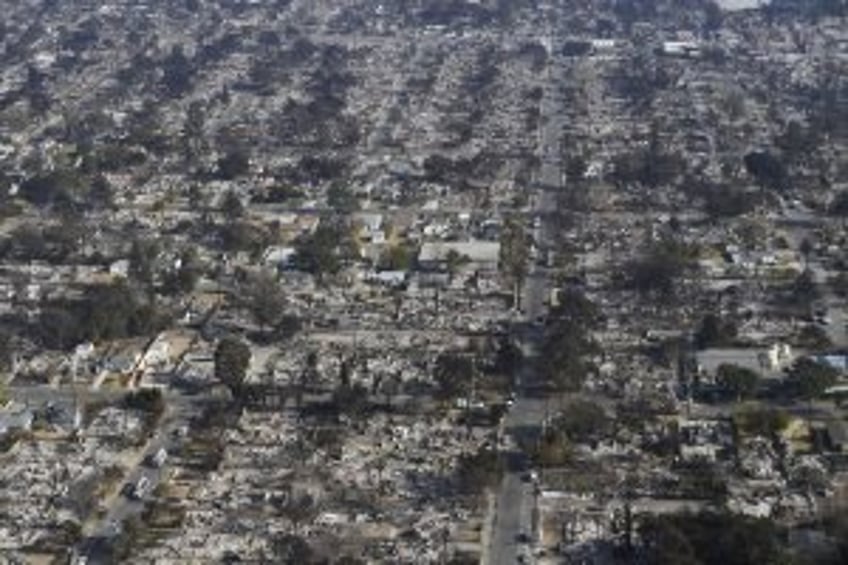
(158, 459)
(114, 527)
(142, 487)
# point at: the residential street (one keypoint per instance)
(514, 508)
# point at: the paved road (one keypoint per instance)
(181, 409)
(514, 510)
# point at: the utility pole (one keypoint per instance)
(445, 536)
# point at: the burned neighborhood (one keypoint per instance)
(424, 281)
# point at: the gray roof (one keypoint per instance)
(709, 360)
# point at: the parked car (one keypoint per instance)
(157, 459)
(142, 488)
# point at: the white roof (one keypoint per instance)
(732, 5)
(476, 251)
(372, 220)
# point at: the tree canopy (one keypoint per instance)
(582, 420)
(232, 358)
(479, 471)
(711, 539)
(714, 331)
(233, 164)
(658, 268)
(810, 378)
(767, 169)
(105, 312)
(453, 373)
(761, 420)
(741, 382)
(565, 356)
(265, 300)
(839, 204)
(323, 251)
(568, 342)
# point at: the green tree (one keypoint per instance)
(713, 332)
(7, 351)
(652, 165)
(767, 170)
(288, 326)
(57, 328)
(761, 420)
(245, 236)
(265, 300)
(839, 284)
(659, 268)
(810, 378)
(553, 449)
(112, 311)
(575, 308)
(804, 290)
(397, 258)
(231, 206)
(479, 471)
(59, 185)
(806, 248)
(565, 362)
(352, 400)
(308, 377)
(341, 199)
(568, 342)
(839, 204)
(582, 420)
(146, 400)
(232, 358)
(299, 509)
(321, 253)
(453, 262)
(233, 164)
(349, 560)
(290, 549)
(741, 382)
(185, 277)
(713, 16)
(176, 72)
(453, 374)
(142, 259)
(711, 539)
(836, 526)
(813, 338)
(727, 202)
(193, 143)
(576, 168)
(28, 243)
(508, 357)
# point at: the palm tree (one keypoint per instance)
(514, 251)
